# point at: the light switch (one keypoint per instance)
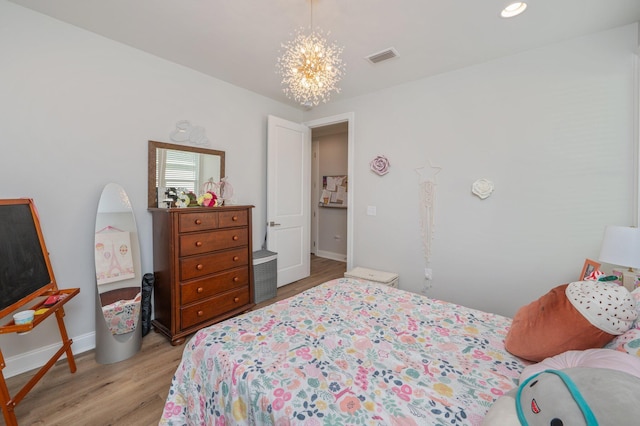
(371, 210)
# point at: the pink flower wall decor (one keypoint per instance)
(380, 165)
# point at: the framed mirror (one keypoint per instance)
(180, 166)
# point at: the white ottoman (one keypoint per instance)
(386, 278)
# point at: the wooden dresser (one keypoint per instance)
(203, 267)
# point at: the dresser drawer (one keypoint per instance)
(204, 242)
(212, 285)
(210, 308)
(197, 221)
(199, 266)
(232, 218)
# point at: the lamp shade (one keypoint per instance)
(621, 246)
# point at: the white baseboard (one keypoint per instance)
(37, 358)
(333, 256)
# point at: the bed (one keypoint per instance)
(345, 352)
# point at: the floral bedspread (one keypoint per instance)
(122, 316)
(347, 352)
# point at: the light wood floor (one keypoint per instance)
(131, 392)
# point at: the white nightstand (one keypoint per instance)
(386, 278)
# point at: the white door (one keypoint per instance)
(288, 197)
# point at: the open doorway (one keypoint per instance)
(341, 120)
(329, 191)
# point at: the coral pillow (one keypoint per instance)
(550, 326)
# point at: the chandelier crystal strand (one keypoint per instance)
(310, 67)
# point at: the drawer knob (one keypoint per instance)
(199, 266)
(200, 313)
(198, 243)
(234, 218)
(236, 279)
(235, 238)
(200, 290)
(236, 299)
(235, 258)
(198, 222)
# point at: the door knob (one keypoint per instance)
(272, 223)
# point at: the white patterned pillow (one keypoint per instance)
(629, 342)
(608, 306)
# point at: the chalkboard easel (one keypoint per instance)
(26, 281)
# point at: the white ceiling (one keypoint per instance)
(238, 41)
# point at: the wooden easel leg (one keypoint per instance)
(65, 339)
(7, 404)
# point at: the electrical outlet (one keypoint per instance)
(371, 210)
(428, 273)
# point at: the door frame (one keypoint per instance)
(349, 117)
(315, 219)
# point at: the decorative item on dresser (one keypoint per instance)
(203, 267)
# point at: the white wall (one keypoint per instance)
(76, 112)
(552, 127)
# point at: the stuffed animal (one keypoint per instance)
(573, 396)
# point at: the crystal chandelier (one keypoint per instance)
(310, 67)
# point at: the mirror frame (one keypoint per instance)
(153, 145)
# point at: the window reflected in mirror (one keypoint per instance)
(178, 166)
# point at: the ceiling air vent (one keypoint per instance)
(382, 55)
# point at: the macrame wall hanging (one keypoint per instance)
(427, 185)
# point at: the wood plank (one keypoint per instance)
(130, 392)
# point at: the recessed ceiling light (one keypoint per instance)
(514, 9)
